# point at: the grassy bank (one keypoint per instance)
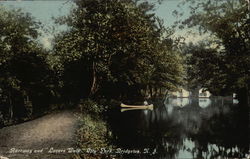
(93, 133)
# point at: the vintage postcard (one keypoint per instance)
(124, 79)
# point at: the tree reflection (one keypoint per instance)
(220, 129)
(229, 132)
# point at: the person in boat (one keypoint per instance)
(145, 102)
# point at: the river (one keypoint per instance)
(183, 128)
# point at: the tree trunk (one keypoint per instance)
(157, 92)
(93, 82)
(166, 93)
(11, 106)
(161, 92)
(248, 96)
(151, 91)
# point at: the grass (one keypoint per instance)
(93, 133)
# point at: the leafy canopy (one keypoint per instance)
(121, 44)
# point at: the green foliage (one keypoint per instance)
(26, 79)
(120, 49)
(112, 49)
(228, 22)
(204, 68)
(88, 106)
(92, 134)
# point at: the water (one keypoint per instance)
(183, 128)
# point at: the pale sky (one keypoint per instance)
(43, 11)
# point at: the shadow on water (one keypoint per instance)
(183, 128)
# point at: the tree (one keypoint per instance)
(117, 48)
(228, 22)
(205, 69)
(25, 76)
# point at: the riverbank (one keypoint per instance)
(93, 133)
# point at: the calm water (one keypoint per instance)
(182, 129)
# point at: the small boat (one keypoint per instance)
(128, 109)
(137, 106)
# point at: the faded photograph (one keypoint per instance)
(124, 79)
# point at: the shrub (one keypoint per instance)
(90, 107)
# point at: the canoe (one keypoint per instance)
(128, 109)
(137, 106)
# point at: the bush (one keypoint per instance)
(94, 134)
(90, 107)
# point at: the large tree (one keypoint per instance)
(24, 72)
(228, 24)
(116, 47)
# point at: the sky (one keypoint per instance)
(43, 11)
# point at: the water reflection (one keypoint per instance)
(204, 102)
(200, 129)
(180, 102)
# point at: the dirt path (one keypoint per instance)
(48, 137)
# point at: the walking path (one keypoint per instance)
(49, 137)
